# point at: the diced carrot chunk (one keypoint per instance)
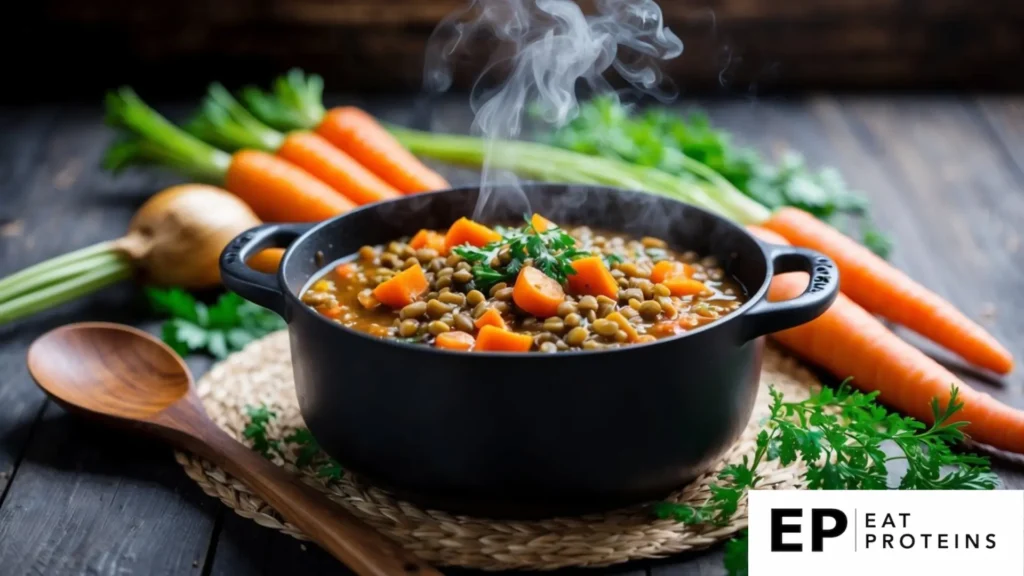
(592, 277)
(346, 270)
(490, 318)
(334, 312)
(670, 269)
(465, 231)
(664, 328)
(541, 224)
(454, 341)
(537, 293)
(429, 239)
(685, 286)
(402, 288)
(497, 340)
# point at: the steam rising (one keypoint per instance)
(545, 50)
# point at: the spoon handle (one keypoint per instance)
(361, 548)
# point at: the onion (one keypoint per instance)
(174, 239)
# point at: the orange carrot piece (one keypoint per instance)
(428, 239)
(884, 290)
(681, 286)
(402, 288)
(490, 317)
(334, 312)
(465, 231)
(541, 224)
(592, 277)
(624, 325)
(664, 328)
(537, 293)
(494, 339)
(454, 341)
(316, 155)
(346, 270)
(279, 191)
(364, 139)
(266, 260)
(666, 269)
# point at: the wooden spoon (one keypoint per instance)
(130, 378)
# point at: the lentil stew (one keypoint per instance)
(535, 287)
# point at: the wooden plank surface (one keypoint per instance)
(177, 46)
(945, 174)
(82, 500)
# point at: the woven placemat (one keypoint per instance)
(262, 374)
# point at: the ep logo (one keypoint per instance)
(823, 523)
(852, 533)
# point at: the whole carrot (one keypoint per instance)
(224, 122)
(359, 134)
(297, 104)
(270, 185)
(319, 157)
(884, 290)
(851, 343)
(275, 189)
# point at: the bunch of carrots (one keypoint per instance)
(293, 160)
(347, 159)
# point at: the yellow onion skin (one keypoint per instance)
(176, 237)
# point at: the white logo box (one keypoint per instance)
(888, 532)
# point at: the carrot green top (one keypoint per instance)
(155, 140)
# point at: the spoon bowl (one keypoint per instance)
(126, 376)
(109, 369)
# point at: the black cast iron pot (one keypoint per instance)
(528, 435)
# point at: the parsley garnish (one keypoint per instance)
(307, 452)
(611, 259)
(225, 327)
(551, 251)
(839, 436)
(256, 430)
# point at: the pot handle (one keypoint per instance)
(258, 287)
(822, 290)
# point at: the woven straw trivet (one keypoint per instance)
(262, 374)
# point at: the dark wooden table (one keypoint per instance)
(946, 174)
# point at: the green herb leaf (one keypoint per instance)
(174, 302)
(227, 326)
(256, 430)
(308, 452)
(839, 436)
(183, 336)
(551, 251)
(736, 555)
(308, 448)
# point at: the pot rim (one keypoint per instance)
(736, 316)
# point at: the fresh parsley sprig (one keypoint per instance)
(551, 251)
(227, 326)
(256, 430)
(307, 452)
(841, 437)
